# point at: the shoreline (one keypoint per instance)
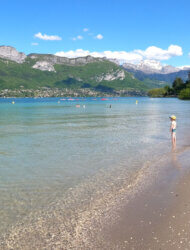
(68, 92)
(72, 96)
(158, 217)
(38, 228)
(108, 228)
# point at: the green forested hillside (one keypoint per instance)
(14, 76)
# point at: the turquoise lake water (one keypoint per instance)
(48, 148)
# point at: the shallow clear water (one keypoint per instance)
(49, 147)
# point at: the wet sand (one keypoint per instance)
(159, 216)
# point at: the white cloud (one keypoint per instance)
(77, 38)
(135, 56)
(34, 44)
(85, 29)
(155, 53)
(99, 36)
(47, 37)
(184, 67)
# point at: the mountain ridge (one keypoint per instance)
(9, 52)
(165, 73)
(151, 67)
(33, 71)
(36, 71)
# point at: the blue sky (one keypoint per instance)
(141, 29)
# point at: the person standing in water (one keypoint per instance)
(173, 130)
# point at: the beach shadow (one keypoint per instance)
(174, 159)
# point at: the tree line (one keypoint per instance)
(178, 89)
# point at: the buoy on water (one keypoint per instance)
(136, 102)
(13, 102)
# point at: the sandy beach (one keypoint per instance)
(158, 217)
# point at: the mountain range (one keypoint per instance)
(102, 75)
(154, 70)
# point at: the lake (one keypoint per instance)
(56, 156)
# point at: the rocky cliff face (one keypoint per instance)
(45, 61)
(111, 76)
(64, 60)
(44, 66)
(113, 60)
(12, 54)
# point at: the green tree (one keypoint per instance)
(185, 94)
(187, 84)
(158, 92)
(178, 85)
(168, 91)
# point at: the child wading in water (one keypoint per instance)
(173, 130)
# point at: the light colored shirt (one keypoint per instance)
(174, 124)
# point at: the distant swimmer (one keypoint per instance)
(136, 102)
(78, 106)
(84, 106)
(173, 130)
(110, 106)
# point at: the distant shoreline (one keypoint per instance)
(56, 92)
